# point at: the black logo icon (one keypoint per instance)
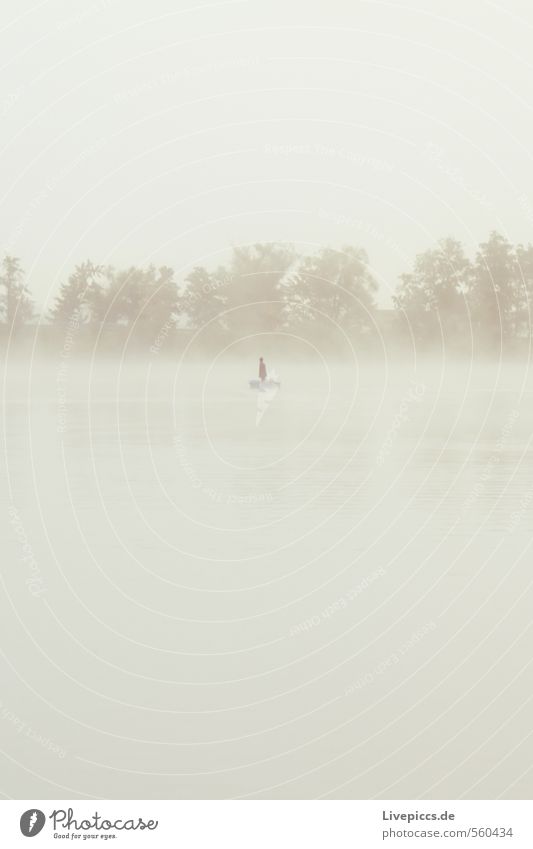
(32, 822)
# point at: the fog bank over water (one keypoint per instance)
(330, 598)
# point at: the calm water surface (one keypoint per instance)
(319, 592)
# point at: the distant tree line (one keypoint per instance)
(487, 301)
(445, 297)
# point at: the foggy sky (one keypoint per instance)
(164, 131)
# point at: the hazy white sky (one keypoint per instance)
(165, 131)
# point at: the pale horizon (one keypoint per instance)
(166, 137)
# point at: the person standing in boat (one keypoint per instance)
(262, 369)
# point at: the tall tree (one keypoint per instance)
(253, 291)
(143, 299)
(16, 305)
(497, 291)
(76, 298)
(432, 295)
(334, 284)
(524, 311)
(204, 297)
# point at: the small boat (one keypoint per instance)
(262, 385)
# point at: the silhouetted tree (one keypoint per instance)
(432, 295)
(143, 299)
(204, 297)
(497, 291)
(254, 277)
(97, 297)
(16, 305)
(524, 315)
(336, 284)
(77, 296)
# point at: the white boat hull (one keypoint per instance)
(262, 385)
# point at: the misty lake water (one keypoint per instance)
(323, 591)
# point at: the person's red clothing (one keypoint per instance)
(262, 370)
